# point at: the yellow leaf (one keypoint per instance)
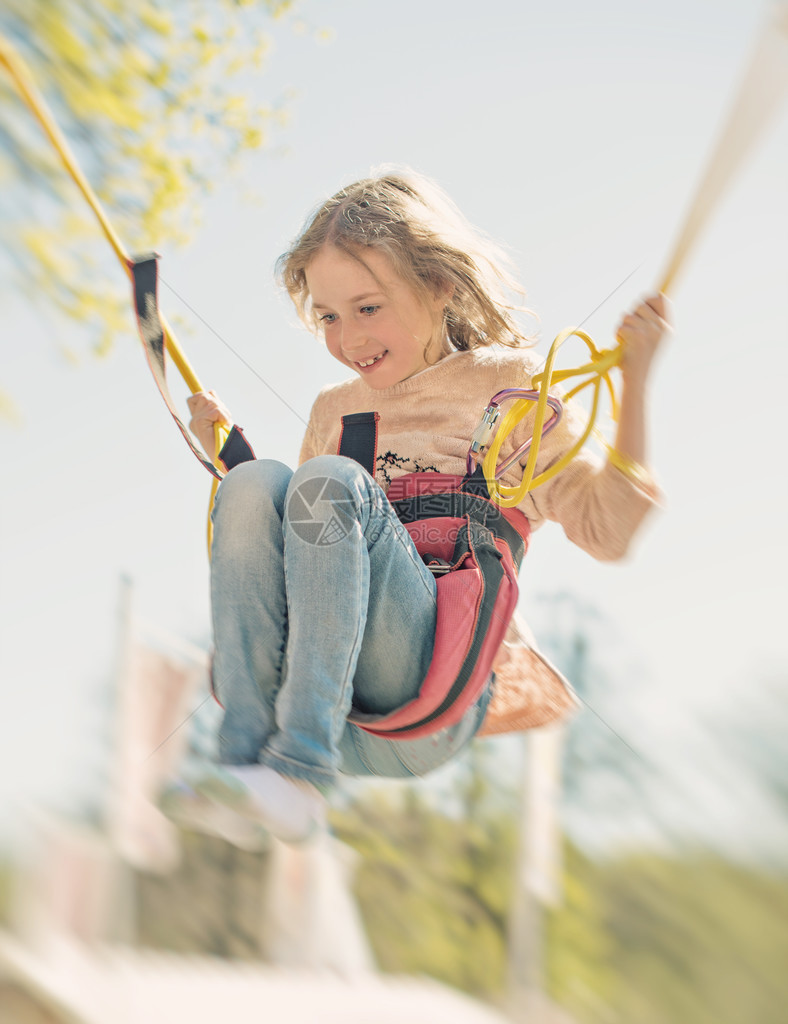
(253, 138)
(156, 20)
(63, 41)
(235, 103)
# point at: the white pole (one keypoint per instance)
(537, 871)
(525, 920)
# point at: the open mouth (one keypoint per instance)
(368, 364)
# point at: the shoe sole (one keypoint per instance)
(232, 794)
(196, 812)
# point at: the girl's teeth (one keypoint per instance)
(369, 362)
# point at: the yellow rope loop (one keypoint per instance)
(596, 373)
(220, 435)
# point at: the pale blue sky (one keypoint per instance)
(573, 133)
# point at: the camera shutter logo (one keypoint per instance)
(321, 511)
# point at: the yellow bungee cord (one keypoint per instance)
(763, 87)
(14, 65)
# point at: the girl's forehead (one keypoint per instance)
(336, 275)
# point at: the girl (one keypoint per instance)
(319, 596)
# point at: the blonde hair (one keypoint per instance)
(430, 245)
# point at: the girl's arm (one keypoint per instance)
(640, 332)
(601, 507)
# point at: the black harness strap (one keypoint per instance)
(144, 271)
(359, 439)
(236, 449)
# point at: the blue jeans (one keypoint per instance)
(320, 600)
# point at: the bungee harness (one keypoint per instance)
(474, 549)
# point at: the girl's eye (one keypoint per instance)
(369, 310)
(327, 318)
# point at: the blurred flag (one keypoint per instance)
(155, 697)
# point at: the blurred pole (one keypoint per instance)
(536, 875)
(525, 919)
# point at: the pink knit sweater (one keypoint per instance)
(425, 425)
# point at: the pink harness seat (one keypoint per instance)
(476, 593)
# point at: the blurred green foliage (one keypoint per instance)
(652, 938)
(155, 100)
(433, 889)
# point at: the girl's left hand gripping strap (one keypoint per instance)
(144, 271)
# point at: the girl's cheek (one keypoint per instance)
(333, 348)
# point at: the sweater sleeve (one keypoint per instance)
(599, 508)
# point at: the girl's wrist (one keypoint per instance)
(635, 381)
(635, 471)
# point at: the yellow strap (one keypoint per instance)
(19, 74)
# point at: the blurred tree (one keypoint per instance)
(755, 731)
(609, 769)
(154, 99)
(434, 889)
(751, 728)
(646, 937)
(696, 938)
(580, 956)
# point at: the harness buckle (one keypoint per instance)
(437, 566)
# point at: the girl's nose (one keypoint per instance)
(354, 337)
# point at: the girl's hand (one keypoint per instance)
(640, 333)
(206, 410)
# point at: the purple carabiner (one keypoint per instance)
(493, 409)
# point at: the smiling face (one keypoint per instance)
(373, 321)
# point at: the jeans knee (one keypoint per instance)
(334, 480)
(251, 487)
(333, 467)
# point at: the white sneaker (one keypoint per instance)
(292, 809)
(187, 808)
(255, 796)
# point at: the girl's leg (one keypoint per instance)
(249, 605)
(364, 753)
(319, 598)
(360, 615)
